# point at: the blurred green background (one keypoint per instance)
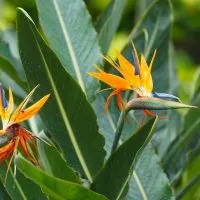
(186, 31)
(185, 36)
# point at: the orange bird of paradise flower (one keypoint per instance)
(17, 135)
(136, 77)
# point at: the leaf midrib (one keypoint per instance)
(63, 113)
(18, 186)
(69, 45)
(138, 181)
(140, 186)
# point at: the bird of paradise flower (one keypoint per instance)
(16, 134)
(136, 77)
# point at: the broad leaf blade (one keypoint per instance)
(114, 177)
(76, 129)
(8, 68)
(3, 193)
(149, 180)
(188, 138)
(108, 23)
(53, 163)
(8, 50)
(54, 187)
(156, 19)
(19, 187)
(68, 28)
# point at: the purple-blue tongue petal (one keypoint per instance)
(3, 97)
(135, 63)
(166, 96)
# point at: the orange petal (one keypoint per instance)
(145, 75)
(30, 111)
(10, 107)
(126, 67)
(16, 142)
(22, 105)
(128, 71)
(151, 63)
(112, 80)
(109, 60)
(6, 150)
(119, 100)
(115, 92)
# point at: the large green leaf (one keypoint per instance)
(108, 23)
(8, 68)
(155, 21)
(19, 187)
(55, 187)
(151, 31)
(114, 177)
(68, 28)
(188, 137)
(149, 182)
(53, 163)
(8, 50)
(3, 193)
(76, 130)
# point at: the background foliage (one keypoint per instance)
(57, 51)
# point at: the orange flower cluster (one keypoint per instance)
(16, 133)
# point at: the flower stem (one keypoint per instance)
(118, 132)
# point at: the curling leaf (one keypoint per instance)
(68, 28)
(68, 116)
(114, 177)
(55, 187)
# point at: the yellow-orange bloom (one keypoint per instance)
(17, 134)
(136, 77)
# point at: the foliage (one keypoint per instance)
(56, 51)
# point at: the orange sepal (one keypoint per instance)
(115, 92)
(30, 111)
(6, 150)
(112, 80)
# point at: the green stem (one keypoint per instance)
(118, 132)
(188, 187)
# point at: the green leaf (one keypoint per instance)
(55, 187)
(53, 163)
(149, 182)
(156, 21)
(8, 50)
(107, 125)
(68, 28)
(19, 187)
(187, 138)
(114, 177)
(3, 193)
(7, 67)
(108, 23)
(76, 129)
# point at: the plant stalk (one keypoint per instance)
(118, 132)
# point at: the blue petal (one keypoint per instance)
(3, 97)
(137, 71)
(166, 96)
